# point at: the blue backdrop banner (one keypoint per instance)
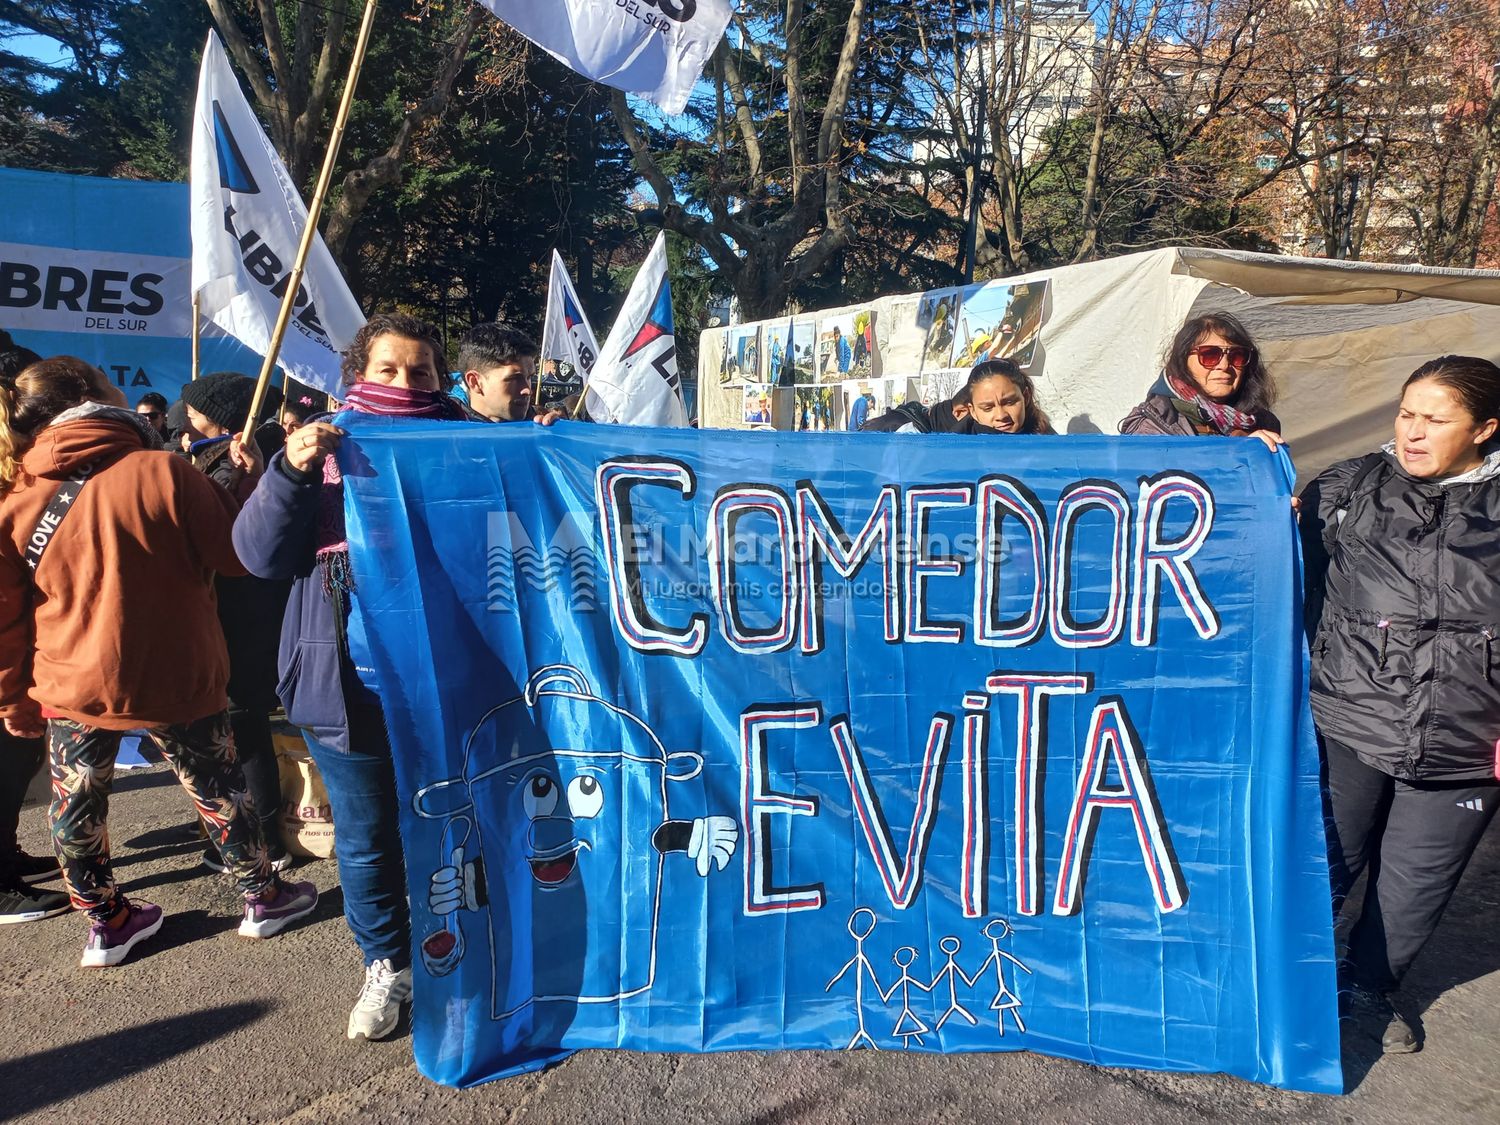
(715, 741)
(100, 269)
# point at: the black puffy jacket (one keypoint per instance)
(1404, 597)
(913, 417)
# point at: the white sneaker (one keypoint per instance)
(379, 1006)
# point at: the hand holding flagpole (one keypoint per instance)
(314, 210)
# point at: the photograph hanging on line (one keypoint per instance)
(899, 338)
(814, 412)
(846, 347)
(757, 399)
(863, 399)
(777, 366)
(999, 321)
(803, 346)
(939, 386)
(719, 349)
(937, 318)
(742, 355)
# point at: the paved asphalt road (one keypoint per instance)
(202, 1025)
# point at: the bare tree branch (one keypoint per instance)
(387, 168)
(742, 114)
(250, 66)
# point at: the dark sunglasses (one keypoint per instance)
(1210, 354)
(151, 413)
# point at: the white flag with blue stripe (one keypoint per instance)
(247, 222)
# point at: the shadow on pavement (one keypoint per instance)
(130, 781)
(166, 878)
(180, 927)
(165, 851)
(175, 835)
(799, 1108)
(32, 1082)
(1463, 949)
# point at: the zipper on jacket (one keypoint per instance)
(1385, 637)
(1438, 524)
(1489, 640)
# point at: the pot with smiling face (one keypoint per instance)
(564, 792)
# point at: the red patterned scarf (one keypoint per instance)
(1218, 415)
(402, 402)
(367, 398)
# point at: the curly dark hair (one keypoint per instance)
(357, 356)
(1036, 421)
(1257, 391)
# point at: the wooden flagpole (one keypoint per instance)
(314, 210)
(195, 338)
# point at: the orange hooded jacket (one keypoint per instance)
(121, 615)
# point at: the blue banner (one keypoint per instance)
(100, 269)
(715, 741)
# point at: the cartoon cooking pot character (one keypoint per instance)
(561, 820)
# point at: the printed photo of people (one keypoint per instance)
(558, 380)
(937, 316)
(999, 321)
(863, 399)
(814, 409)
(846, 347)
(778, 368)
(803, 340)
(757, 405)
(742, 356)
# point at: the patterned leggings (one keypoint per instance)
(202, 753)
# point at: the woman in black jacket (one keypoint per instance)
(1404, 590)
(250, 608)
(998, 398)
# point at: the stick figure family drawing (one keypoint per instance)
(910, 1027)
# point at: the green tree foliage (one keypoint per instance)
(789, 171)
(458, 225)
(1145, 201)
(528, 160)
(122, 102)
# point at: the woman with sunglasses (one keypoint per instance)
(1213, 382)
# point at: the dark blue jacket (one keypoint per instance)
(275, 536)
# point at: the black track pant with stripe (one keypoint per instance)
(1415, 838)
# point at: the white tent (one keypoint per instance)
(1339, 337)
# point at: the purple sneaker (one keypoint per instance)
(109, 945)
(263, 919)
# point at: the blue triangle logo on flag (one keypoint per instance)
(658, 324)
(234, 173)
(572, 318)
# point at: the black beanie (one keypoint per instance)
(224, 398)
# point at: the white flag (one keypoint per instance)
(247, 222)
(635, 381)
(654, 48)
(567, 335)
